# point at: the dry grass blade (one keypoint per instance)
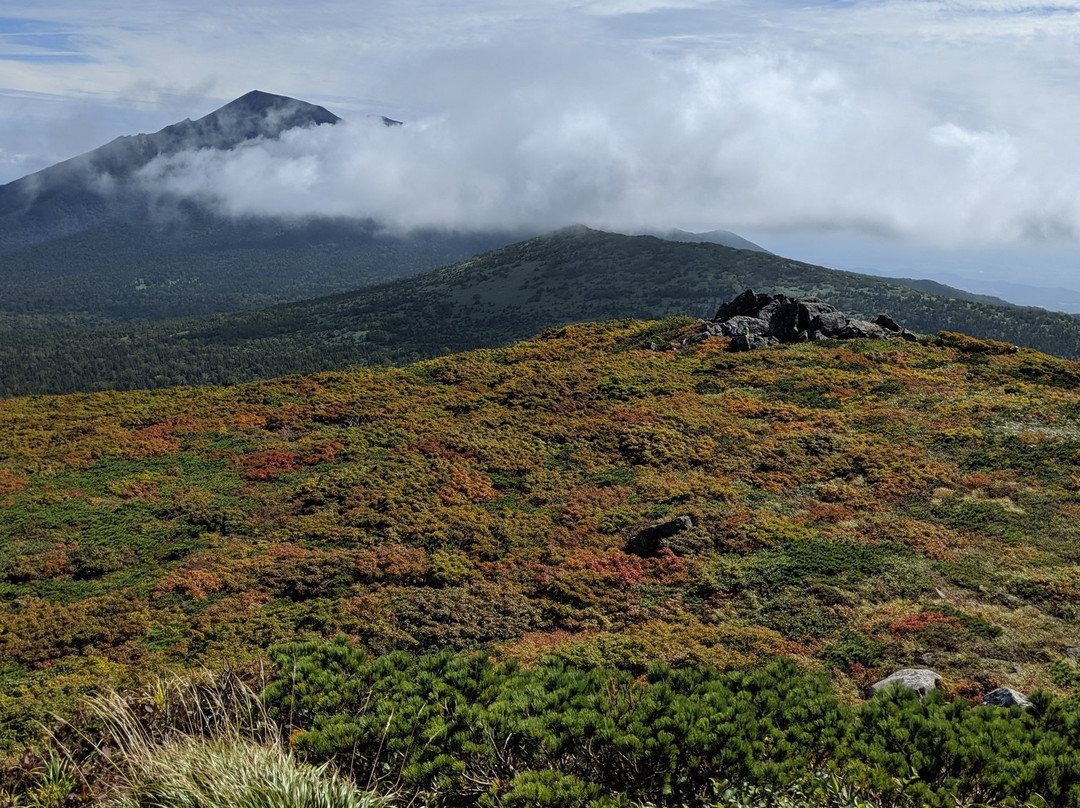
(206, 741)
(198, 705)
(232, 773)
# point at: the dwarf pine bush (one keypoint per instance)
(464, 729)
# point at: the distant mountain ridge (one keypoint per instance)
(78, 193)
(83, 242)
(573, 275)
(723, 237)
(937, 288)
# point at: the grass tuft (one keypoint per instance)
(231, 772)
(198, 742)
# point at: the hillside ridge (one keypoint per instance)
(572, 275)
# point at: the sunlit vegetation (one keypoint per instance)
(465, 729)
(338, 726)
(203, 741)
(857, 507)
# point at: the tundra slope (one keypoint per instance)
(861, 506)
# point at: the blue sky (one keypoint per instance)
(29, 40)
(914, 136)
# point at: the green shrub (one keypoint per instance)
(549, 788)
(932, 753)
(852, 647)
(457, 728)
(440, 722)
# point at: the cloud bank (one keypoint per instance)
(891, 133)
(758, 140)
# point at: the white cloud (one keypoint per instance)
(762, 141)
(948, 122)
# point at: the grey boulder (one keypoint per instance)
(1006, 697)
(753, 321)
(921, 680)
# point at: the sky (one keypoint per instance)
(929, 138)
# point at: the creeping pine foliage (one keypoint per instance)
(465, 728)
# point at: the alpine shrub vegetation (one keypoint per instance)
(467, 728)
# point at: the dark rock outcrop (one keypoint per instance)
(921, 680)
(649, 542)
(754, 320)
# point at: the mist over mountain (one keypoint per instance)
(94, 187)
(723, 237)
(102, 238)
(259, 203)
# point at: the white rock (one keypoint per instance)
(921, 680)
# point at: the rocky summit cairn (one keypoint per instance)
(921, 680)
(1006, 697)
(755, 321)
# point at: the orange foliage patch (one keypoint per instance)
(468, 486)
(588, 500)
(931, 540)
(158, 439)
(267, 465)
(390, 562)
(10, 482)
(628, 570)
(918, 622)
(248, 420)
(195, 584)
(624, 416)
(321, 453)
(828, 512)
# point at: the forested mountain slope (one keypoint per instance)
(570, 276)
(193, 262)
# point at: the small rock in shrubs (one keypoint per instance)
(921, 680)
(649, 542)
(1006, 697)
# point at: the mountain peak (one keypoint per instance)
(252, 115)
(65, 198)
(278, 112)
(257, 99)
